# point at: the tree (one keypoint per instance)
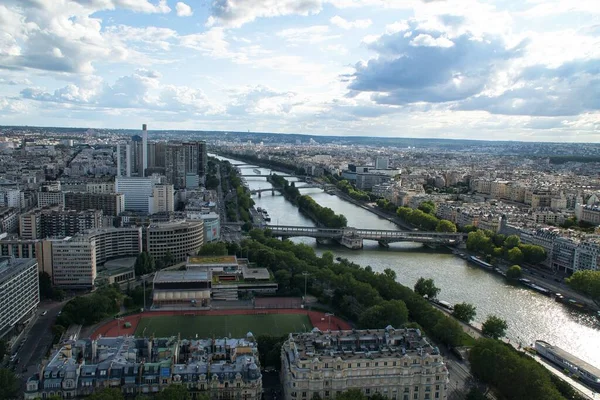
(514, 272)
(144, 264)
(515, 255)
(426, 287)
(3, 348)
(445, 226)
(9, 385)
(173, 392)
(464, 312)
(512, 241)
(352, 394)
(428, 207)
(213, 249)
(393, 312)
(168, 259)
(532, 253)
(475, 394)
(586, 282)
(494, 327)
(107, 394)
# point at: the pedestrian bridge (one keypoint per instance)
(353, 237)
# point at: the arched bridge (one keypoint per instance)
(309, 186)
(353, 237)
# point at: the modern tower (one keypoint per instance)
(144, 149)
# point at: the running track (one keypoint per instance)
(317, 319)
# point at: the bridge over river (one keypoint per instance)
(353, 237)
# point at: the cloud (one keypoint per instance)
(235, 13)
(311, 34)
(570, 89)
(262, 100)
(183, 10)
(429, 67)
(344, 24)
(15, 82)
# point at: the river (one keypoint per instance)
(530, 316)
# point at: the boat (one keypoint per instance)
(586, 372)
(259, 209)
(266, 215)
(480, 263)
(256, 171)
(445, 304)
(537, 288)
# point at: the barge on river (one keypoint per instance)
(480, 263)
(586, 372)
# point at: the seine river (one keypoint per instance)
(530, 315)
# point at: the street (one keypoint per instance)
(37, 340)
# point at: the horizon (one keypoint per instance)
(445, 69)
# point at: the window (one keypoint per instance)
(394, 363)
(376, 364)
(303, 394)
(416, 388)
(406, 390)
(326, 365)
(368, 364)
(427, 396)
(327, 393)
(416, 396)
(437, 387)
(437, 395)
(368, 391)
(405, 397)
(349, 365)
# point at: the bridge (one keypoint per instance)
(273, 189)
(353, 237)
(268, 176)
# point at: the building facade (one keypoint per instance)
(218, 368)
(112, 204)
(74, 263)
(137, 192)
(399, 364)
(180, 238)
(163, 199)
(19, 291)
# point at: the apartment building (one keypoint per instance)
(180, 238)
(74, 262)
(9, 220)
(588, 213)
(45, 199)
(587, 255)
(112, 204)
(54, 222)
(137, 191)
(397, 363)
(218, 368)
(163, 199)
(19, 291)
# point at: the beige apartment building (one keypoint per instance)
(397, 363)
(180, 238)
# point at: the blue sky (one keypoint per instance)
(482, 69)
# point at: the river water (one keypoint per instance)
(530, 316)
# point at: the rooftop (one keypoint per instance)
(212, 260)
(181, 276)
(10, 266)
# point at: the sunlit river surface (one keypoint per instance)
(530, 315)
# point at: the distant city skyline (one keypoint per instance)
(440, 69)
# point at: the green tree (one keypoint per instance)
(515, 255)
(445, 226)
(479, 242)
(514, 272)
(494, 327)
(512, 241)
(475, 394)
(352, 394)
(144, 264)
(393, 312)
(426, 287)
(173, 392)
(9, 385)
(464, 312)
(586, 282)
(428, 207)
(532, 253)
(107, 394)
(213, 249)
(168, 259)
(3, 349)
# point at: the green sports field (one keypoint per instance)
(223, 325)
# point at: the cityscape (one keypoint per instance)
(299, 200)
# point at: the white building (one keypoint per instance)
(398, 364)
(137, 192)
(587, 256)
(162, 199)
(382, 163)
(50, 198)
(19, 290)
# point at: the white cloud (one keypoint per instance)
(235, 13)
(183, 10)
(15, 82)
(423, 39)
(311, 34)
(344, 24)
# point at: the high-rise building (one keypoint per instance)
(111, 204)
(162, 199)
(19, 291)
(382, 163)
(175, 165)
(144, 149)
(196, 158)
(180, 238)
(123, 160)
(398, 364)
(137, 192)
(74, 262)
(54, 222)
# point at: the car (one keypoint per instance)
(44, 313)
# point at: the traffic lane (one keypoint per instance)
(38, 340)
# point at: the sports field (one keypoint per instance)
(223, 325)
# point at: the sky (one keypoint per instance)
(477, 69)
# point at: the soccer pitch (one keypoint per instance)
(222, 325)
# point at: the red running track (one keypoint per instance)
(317, 319)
